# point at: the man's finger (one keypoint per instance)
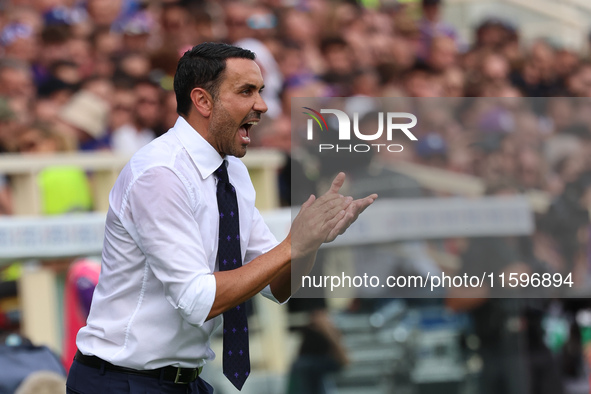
(363, 203)
(353, 212)
(328, 198)
(332, 223)
(333, 207)
(328, 201)
(337, 183)
(342, 224)
(309, 202)
(371, 197)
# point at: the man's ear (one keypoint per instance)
(202, 101)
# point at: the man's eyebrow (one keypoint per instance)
(251, 86)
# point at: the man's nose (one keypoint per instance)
(260, 105)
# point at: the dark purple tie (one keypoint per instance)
(236, 360)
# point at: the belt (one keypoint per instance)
(173, 374)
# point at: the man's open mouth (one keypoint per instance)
(244, 131)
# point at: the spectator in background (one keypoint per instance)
(19, 41)
(66, 71)
(100, 87)
(105, 13)
(236, 13)
(340, 64)
(123, 106)
(530, 169)
(578, 84)
(565, 64)
(291, 63)
(454, 82)
(54, 40)
(493, 33)
(538, 77)
(136, 32)
(21, 13)
(16, 83)
(494, 69)
(432, 150)
(43, 138)
(365, 83)
(84, 118)
(81, 55)
(183, 24)
(442, 53)
(105, 43)
(132, 136)
(259, 36)
(133, 65)
(431, 25)
(298, 27)
(421, 81)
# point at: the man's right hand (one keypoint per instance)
(323, 219)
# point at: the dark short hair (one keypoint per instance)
(332, 41)
(202, 66)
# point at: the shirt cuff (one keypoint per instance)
(198, 300)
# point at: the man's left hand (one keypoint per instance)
(351, 213)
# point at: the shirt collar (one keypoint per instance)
(205, 157)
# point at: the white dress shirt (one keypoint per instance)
(156, 285)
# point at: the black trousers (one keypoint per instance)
(88, 380)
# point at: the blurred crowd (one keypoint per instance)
(97, 74)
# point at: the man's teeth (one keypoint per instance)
(252, 123)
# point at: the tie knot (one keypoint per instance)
(222, 173)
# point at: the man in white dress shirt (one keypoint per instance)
(160, 294)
